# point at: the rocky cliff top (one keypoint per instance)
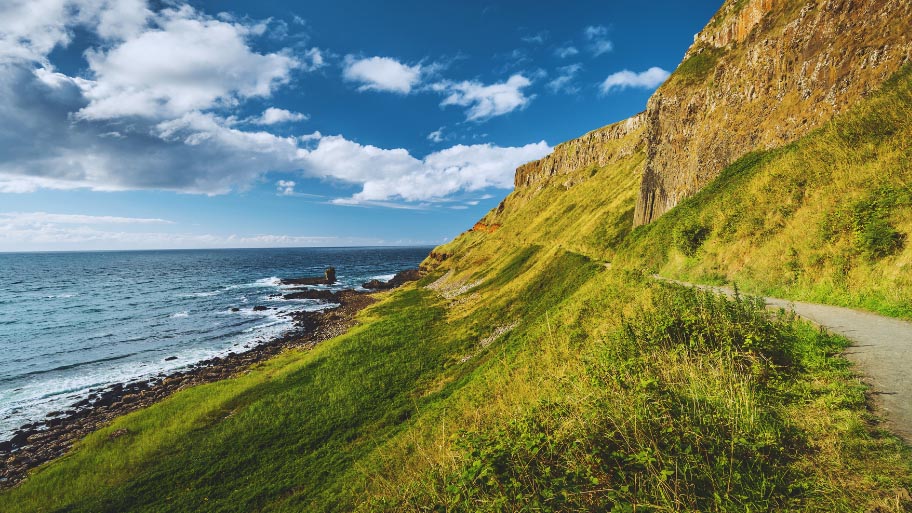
(760, 75)
(597, 148)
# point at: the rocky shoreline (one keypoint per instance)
(42, 441)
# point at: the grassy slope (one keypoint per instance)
(530, 377)
(826, 219)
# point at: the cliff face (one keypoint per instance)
(595, 149)
(761, 74)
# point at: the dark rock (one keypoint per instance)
(398, 280)
(170, 358)
(235, 309)
(329, 277)
(260, 308)
(323, 295)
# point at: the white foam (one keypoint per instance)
(180, 315)
(201, 294)
(383, 277)
(268, 282)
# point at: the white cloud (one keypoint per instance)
(312, 59)
(566, 51)
(30, 29)
(21, 218)
(273, 116)
(564, 80)
(598, 42)
(394, 174)
(537, 38)
(486, 101)
(436, 136)
(648, 79)
(159, 113)
(595, 31)
(59, 236)
(381, 74)
(186, 62)
(285, 187)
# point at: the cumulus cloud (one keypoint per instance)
(564, 80)
(598, 41)
(274, 116)
(381, 74)
(394, 174)
(486, 101)
(285, 187)
(156, 111)
(186, 62)
(30, 29)
(625, 79)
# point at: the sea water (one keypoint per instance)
(74, 322)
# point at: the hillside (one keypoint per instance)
(538, 367)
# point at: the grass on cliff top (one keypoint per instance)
(826, 219)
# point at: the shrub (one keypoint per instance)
(690, 237)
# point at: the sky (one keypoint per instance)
(153, 124)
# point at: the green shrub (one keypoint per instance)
(689, 238)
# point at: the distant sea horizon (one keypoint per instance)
(141, 250)
(73, 322)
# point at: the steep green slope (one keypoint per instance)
(827, 218)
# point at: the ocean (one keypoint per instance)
(73, 322)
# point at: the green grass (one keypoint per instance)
(698, 67)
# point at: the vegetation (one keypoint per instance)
(825, 219)
(697, 68)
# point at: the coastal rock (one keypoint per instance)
(322, 295)
(398, 280)
(329, 278)
(260, 308)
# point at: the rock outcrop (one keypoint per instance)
(761, 74)
(398, 280)
(329, 278)
(482, 226)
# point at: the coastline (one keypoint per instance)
(37, 443)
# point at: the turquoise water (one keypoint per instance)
(71, 322)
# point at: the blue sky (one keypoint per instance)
(134, 124)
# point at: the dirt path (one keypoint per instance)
(881, 350)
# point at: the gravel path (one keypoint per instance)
(881, 350)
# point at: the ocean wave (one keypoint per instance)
(201, 294)
(180, 315)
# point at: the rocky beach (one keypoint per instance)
(39, 442)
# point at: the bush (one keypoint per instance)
(690, 237)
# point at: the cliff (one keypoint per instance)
(761, 74)
(597, 148)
